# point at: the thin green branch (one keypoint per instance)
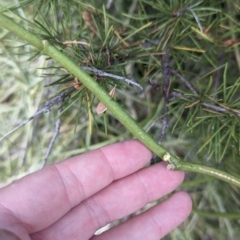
(197, 168)
(217, 214)
(113, 106)
(175, 163)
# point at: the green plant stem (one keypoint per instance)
(197, 168)
(217, 214)
(107, 100)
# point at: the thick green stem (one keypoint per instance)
(112, 105)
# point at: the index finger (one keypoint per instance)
(45, 196)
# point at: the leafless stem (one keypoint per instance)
(165, 91)
(101, 73)
(185, 82)
(166, 84)
(219, 109)
(46, 108)
(54, 137)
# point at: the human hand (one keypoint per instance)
(74, 198)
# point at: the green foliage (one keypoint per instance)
(129, 38)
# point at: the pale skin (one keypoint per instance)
(74, 198)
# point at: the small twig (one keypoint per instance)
(164, 123)
(184, 81)
(165, 91)
(54, 137)
(173, 95)
(46, 108)
(101, 73)
(43, 110)
(153, 84)
(218, 75)
(166, 84)
(223, 109)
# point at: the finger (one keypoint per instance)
(154, 223)
(42, 198)
(7, 235)
(119, 199)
